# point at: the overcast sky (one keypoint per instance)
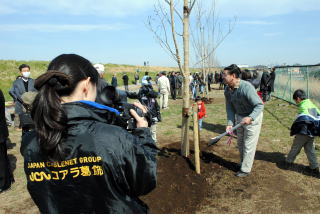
(113, 31)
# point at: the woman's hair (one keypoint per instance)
(63, 74)
(233, 69)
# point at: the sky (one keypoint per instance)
(266, 32)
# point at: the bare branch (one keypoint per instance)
(209, 33)
(174, 34)
(162, 41)
(191, 5)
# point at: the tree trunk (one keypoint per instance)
(186, 92)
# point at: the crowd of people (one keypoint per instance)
(78, 160)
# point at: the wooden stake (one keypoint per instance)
(196, 138)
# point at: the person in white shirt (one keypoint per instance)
(164, 90)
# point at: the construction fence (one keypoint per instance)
(290, 78)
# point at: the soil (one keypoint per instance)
(179, 188)
(217, 190)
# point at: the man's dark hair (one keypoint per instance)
(246, 75)
(299, 94)
(24, 66)
(254, 74)
(233, 69)
(146, 73)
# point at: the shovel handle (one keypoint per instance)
(217, 138)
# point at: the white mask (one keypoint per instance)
(26, 74)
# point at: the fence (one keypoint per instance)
(290, 78)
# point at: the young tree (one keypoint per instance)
(160, 32)
(208, 33)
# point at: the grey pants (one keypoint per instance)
(8, 118)
(248, 136)
(306, 142)
(153, 129)
(164, 100)
(17, 121)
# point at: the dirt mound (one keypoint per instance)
(179, 188)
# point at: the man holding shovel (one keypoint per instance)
(244, 106)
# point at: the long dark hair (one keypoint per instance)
(64, 73)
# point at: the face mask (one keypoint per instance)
(26, 74)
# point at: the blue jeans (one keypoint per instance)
(200, 124)
(201, 88)
(194, 92)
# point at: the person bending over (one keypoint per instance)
(305, 128)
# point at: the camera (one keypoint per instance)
(117, 99)
(147, 97)
(26, 121)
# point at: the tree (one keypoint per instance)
(208, 33)
(160, 32)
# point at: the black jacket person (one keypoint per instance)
(75, 162)
(6, 176)
(148, 97)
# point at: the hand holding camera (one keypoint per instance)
(141, 122)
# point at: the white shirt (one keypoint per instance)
(190, 79)
(164, 84)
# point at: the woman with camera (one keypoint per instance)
(75, 161)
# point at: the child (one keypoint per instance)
(201, 111)
(305, 128)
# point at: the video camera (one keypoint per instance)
(114, 98)
(26, 121)
(147, 97)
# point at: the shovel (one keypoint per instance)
(217, 138)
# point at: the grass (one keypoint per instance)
(9, 72)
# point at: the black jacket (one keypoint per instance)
(148, 97)
(18, 89)
(272, 79)
(125, 79)
(114, 81)
(173, 81)
(306, 125)
(106, 170)
(265, 81)
(3, 124)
